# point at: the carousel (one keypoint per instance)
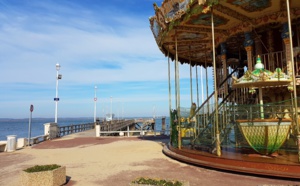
(250, 121)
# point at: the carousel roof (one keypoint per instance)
(189, 23)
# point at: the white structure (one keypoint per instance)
(95, 103)
(51, 129)
(56, 99)
(109, 117)
(98, 130)
(11, 143)
(111, 114)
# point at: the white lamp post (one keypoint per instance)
(95, 103)
(56, 99)
(111, 108)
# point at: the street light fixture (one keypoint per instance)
(95, 103)
(56, 99)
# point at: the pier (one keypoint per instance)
(70, 129)
(126, 127)
(123, 127)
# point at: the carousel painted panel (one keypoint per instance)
(205, 20)
(174, 9)
(251, 5)
(265, 136)
(155, 28)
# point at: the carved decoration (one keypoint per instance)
(205, 20)
(232, 13)
(251, 5)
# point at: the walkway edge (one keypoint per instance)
(237, 166)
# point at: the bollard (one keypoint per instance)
(127, 130)
(97, 130)
(11, 144)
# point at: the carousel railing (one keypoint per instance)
(257, 111)
(265, 128)
(203, 115)
(262, 127)
(275, 60)
(227, 81)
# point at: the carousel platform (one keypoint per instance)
(281, 165)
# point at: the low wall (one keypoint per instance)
(3, 146)
(22, 142)
(51, 131)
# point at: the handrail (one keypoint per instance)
(70, 129)
(202, 105)
(206, 101)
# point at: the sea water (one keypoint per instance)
(20, 127)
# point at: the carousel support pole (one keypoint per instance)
(249, 57)
(178, 95)
(197, 85)
(224, 64)
(225, 74)
(218, 147)
(294, 81)
(206, 78)
(225, 86)
(248, 44)
(191, 80)
(202, 88)
(197, 117)
(169, 81)
(261, 103)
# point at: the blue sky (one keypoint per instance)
(104, 43)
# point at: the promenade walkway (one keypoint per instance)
(116, 161)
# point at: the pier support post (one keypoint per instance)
(163, 125)
(97, 130)
(51, 129)
(127, 130)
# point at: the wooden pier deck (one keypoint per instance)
(131, 126)
(116, 125)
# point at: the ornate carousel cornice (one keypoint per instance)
(232, 19)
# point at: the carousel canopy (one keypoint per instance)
(188, 23)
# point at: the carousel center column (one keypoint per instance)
(249, 48)
(224, 64)
(288, 57)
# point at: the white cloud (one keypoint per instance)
(92, 47)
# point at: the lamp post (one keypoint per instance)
(95, 103)
(56, 99)
(29, 128)
(111, 108)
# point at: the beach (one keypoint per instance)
(110, 161)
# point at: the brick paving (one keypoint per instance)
(121, 166)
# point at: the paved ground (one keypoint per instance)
(116, 161)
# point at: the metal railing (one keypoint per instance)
(266, 111)
(115, 125)
(140, 132)
(70, 129)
